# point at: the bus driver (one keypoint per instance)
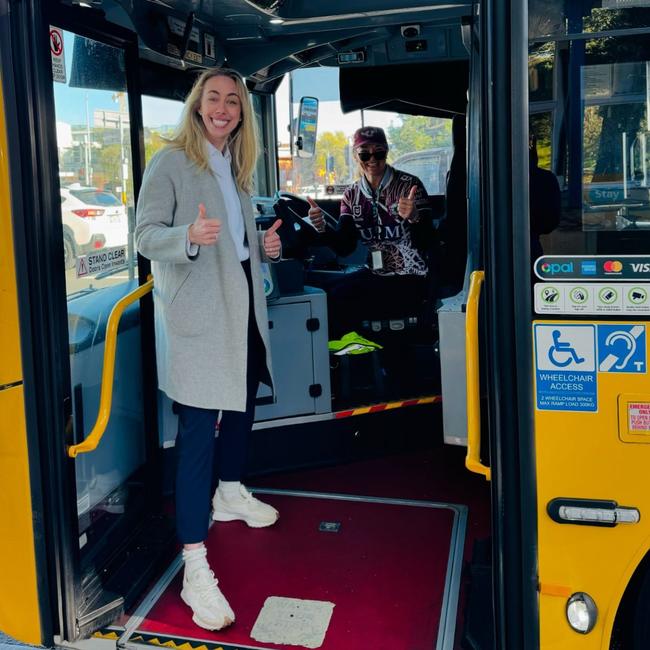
(388, 211)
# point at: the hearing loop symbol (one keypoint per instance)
(630, 344)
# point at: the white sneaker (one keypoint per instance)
(242, 505)
(202, 594)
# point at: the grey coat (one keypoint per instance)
(201, 303)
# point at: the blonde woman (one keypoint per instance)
(195, 223)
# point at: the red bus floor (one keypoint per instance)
(387, 571)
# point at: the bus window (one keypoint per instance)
(541, 126)
(95, 172)
(615, 112)
(331, 169)
(418, 144)
(159, 118)
(97, 205)
(263, 182)
(560, 18)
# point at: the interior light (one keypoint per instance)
(581, 612)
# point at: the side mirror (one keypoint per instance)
(307, 123)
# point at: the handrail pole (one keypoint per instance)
(473, 458)
(93, 439)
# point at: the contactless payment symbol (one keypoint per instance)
(621, 348)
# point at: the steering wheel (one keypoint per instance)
(296, 203)
(295, 233)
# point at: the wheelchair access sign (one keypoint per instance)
(566, 371)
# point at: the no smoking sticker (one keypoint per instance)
(58, 57)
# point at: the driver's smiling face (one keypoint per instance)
(372, 166)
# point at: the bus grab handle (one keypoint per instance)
(473, 458)
(108, 371)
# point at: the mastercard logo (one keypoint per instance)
(612, 266)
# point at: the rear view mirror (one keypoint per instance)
(307, 123)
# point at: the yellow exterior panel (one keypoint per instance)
(581, 455)
(10, 368)
(19, 612)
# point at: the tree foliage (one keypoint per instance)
(416, 133)
(334, 144)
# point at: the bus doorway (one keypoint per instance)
(377, 514)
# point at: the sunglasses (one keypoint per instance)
(365, 156)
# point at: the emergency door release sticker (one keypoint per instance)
(625, 298)
(638, 417)
(565, 362)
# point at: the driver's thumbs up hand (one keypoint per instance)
(315, 215)
(406, 206)
(204, 231)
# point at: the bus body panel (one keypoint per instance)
(19, 610)
(11, 367)
(19, 605)
(574, 558)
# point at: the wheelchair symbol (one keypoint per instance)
(557, 352)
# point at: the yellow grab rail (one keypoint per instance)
(108, 371)
(473, 458)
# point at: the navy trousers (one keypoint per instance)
(202, 459)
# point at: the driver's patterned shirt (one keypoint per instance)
(377, 223)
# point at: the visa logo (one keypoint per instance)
(641, 268)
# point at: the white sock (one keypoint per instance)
(195, 557)
(230, 489)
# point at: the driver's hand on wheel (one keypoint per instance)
(315, 215)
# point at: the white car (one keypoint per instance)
(92, 219)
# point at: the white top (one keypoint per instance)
(220, 164)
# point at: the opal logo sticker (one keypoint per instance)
(552, 268)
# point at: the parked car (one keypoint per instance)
(78, 236)
(429, 165)
(91, 216)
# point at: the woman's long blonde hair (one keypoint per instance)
(190, 134)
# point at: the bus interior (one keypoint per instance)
(384, 535)
(349, 448)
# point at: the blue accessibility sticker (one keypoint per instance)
(565, 372)
(622, 348)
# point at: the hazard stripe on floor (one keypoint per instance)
(162, 641)
(376, 408)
